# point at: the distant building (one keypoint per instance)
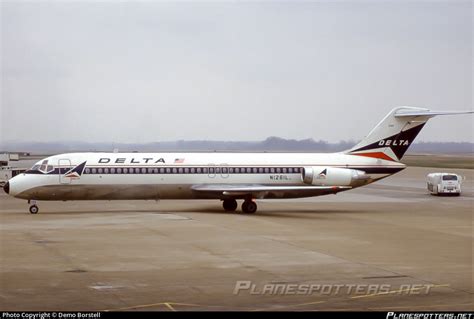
(5, 158)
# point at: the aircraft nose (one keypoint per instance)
(6, 187)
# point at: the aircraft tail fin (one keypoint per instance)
(392, 137)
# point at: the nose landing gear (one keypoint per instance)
(33, 208)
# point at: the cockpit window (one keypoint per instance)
(43, 167)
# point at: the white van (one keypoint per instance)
(444, 183)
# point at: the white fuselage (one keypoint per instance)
(173, 175)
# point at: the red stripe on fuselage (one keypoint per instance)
(380, 155)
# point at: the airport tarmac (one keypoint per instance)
(387, 246)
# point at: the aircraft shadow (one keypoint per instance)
(273, 213)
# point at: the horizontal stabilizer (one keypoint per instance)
(428, 113)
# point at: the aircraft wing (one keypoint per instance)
(264, 191)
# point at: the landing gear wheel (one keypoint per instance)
(249, 207)
(229, 205)
(34, 209)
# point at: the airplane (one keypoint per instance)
(223, 176)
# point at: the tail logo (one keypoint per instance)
(398, 144)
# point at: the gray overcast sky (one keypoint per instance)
(160, 71)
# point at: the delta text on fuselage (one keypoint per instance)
(123, 160)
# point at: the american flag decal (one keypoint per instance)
(179, 160)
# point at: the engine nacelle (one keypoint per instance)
(333, 176)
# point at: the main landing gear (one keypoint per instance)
(33, 208)
(248, 206)
(230, 205)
